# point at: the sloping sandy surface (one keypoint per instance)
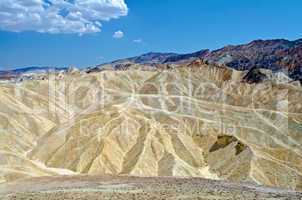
(109, 187)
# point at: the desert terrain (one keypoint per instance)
(108, 187)
(191, 121)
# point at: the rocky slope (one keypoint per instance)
(276, 55)
(195, 121)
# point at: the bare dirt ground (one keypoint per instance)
(108, 187)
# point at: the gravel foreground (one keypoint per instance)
(108, 187)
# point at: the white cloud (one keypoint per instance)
(59, 16)
(138, 40)
(100, 58)
(118, 34)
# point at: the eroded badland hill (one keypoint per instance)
(198, 121)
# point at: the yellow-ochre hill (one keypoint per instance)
(192, 120)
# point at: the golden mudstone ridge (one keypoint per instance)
(198, 121)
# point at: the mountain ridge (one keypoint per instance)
(275, 54)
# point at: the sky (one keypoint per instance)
(84, 33)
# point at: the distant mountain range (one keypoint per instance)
(33, 69)
(276, 55)
(162, 58)
(10, 74)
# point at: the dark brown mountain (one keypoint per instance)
(276, 55)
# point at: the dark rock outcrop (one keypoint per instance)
(276, 55)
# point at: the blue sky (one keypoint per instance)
(144, 25)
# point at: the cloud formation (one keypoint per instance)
(59, 16)
(118, 35)
(138, 40)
